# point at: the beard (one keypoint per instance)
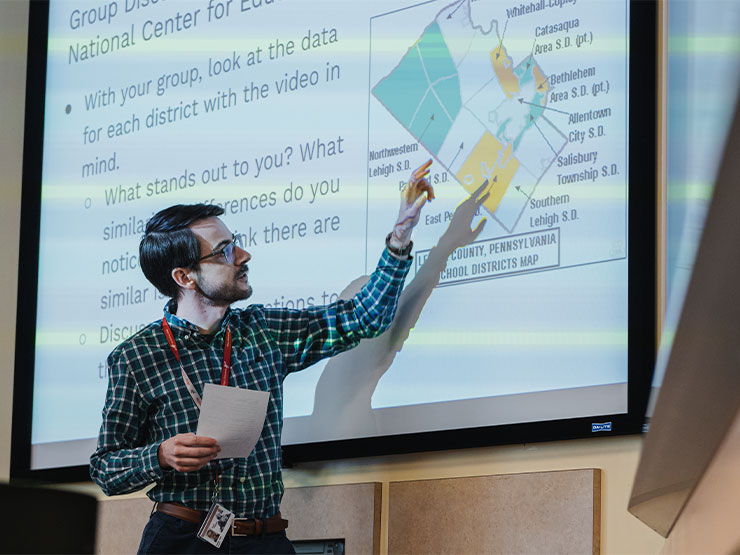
(224, 293)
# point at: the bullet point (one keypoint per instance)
(83, 339)
(88, 202)
(68, 109)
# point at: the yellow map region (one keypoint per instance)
(489, 160)
(542, 84)
(502, 65)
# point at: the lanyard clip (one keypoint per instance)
(216, 489)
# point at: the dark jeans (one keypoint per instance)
(167, 534)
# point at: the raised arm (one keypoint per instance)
(306, 336)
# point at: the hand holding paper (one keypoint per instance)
(234, 417)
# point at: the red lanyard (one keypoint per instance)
(225, 367)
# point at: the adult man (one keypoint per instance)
(152, 402)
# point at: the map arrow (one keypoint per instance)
(518, 188)
(456, 155)
(500, 44)
(531, 53)
(543, 82)
(431, 119)
(531, 118)
(453, 11)
(522, 101)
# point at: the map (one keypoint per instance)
(458, 92)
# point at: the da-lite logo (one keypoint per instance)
(601, 426)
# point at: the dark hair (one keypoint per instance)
(169, 243)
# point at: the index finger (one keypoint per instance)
(479, 190)
(424, 168)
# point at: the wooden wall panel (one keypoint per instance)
(541, 512)
(120, 524)
(350, 512)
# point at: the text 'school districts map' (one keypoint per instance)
(484, 115)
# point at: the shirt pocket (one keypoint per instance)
(253, 369)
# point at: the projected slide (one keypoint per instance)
(303, 120)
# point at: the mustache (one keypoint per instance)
(243, 271)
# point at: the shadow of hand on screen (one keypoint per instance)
(342, 402)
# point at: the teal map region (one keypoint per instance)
(424, 90)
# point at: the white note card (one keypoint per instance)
(234, 417)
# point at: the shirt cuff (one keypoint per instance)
(150, 462)
(389, 259)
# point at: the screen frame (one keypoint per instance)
(642, 286)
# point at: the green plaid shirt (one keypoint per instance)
(147, 401)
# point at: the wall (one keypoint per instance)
(13, 39)
(708, 521)
(621, 532)
(617, 457)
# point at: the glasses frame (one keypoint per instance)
(233, 245)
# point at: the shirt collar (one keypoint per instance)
(175, 322)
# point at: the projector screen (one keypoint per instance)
(303, 120)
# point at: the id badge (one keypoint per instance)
(216, 525)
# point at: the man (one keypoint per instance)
(157, 375)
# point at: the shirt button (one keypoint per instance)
(242, 479)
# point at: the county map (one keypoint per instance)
(458, 92)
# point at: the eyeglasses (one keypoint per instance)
(228, 251)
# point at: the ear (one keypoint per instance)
(182, 278)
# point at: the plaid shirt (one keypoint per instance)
(147, 401)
